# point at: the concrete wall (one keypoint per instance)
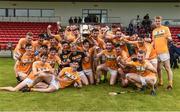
(126, 11)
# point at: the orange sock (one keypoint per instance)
(170, 82)
(160, 81)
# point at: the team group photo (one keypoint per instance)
(93, 61)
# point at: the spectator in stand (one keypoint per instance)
(146, 17)
(138, 23)
(131, 29)
(146, 23)
(75, 20)
(173, 55)
(87, 19)
(71, 20)
(79, 20)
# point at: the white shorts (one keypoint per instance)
(88, 72)
(112, 72)
(143, 79)
(153, 61)
(81, 73)
(54, 83)
(28, 81)
(163, 57)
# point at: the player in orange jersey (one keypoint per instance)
(78, 56)
(24, 65)
(59, 36)
(145, 73)
(161, 35)
(53, 58)
(39, 68)
(38, 43)
(54, 43)
(66, 77)
(95, 40)
(20, 47)
(123, 56)
(110, 63)
(87, 61)
(151, 54)
(43, 49)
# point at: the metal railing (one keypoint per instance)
(105, 20)
(30, 19)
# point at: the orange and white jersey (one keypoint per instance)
(25, 64)
(67, 77)
(52, 60)
(140, 70)
(38, 66)
(160, 37)
(20, 48)
(110, 58)
(135, 67)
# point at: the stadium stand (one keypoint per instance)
(11, 32)
(175, 31)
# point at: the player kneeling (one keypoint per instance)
(145, 73)
(110, 64)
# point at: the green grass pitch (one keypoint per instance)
(89, 98)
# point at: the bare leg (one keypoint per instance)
(41, 85)
(42, 77)
(15, 69)
(122, 78)
(91, 78)
(135, 79)
(169, 72)
(152, 81)
(13, 89)
(84, 79)
(46, 90)
(159, 67)
(113, 79)
(100, 68)
(10, 88)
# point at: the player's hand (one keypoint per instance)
(58, 23)
(49, 26)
